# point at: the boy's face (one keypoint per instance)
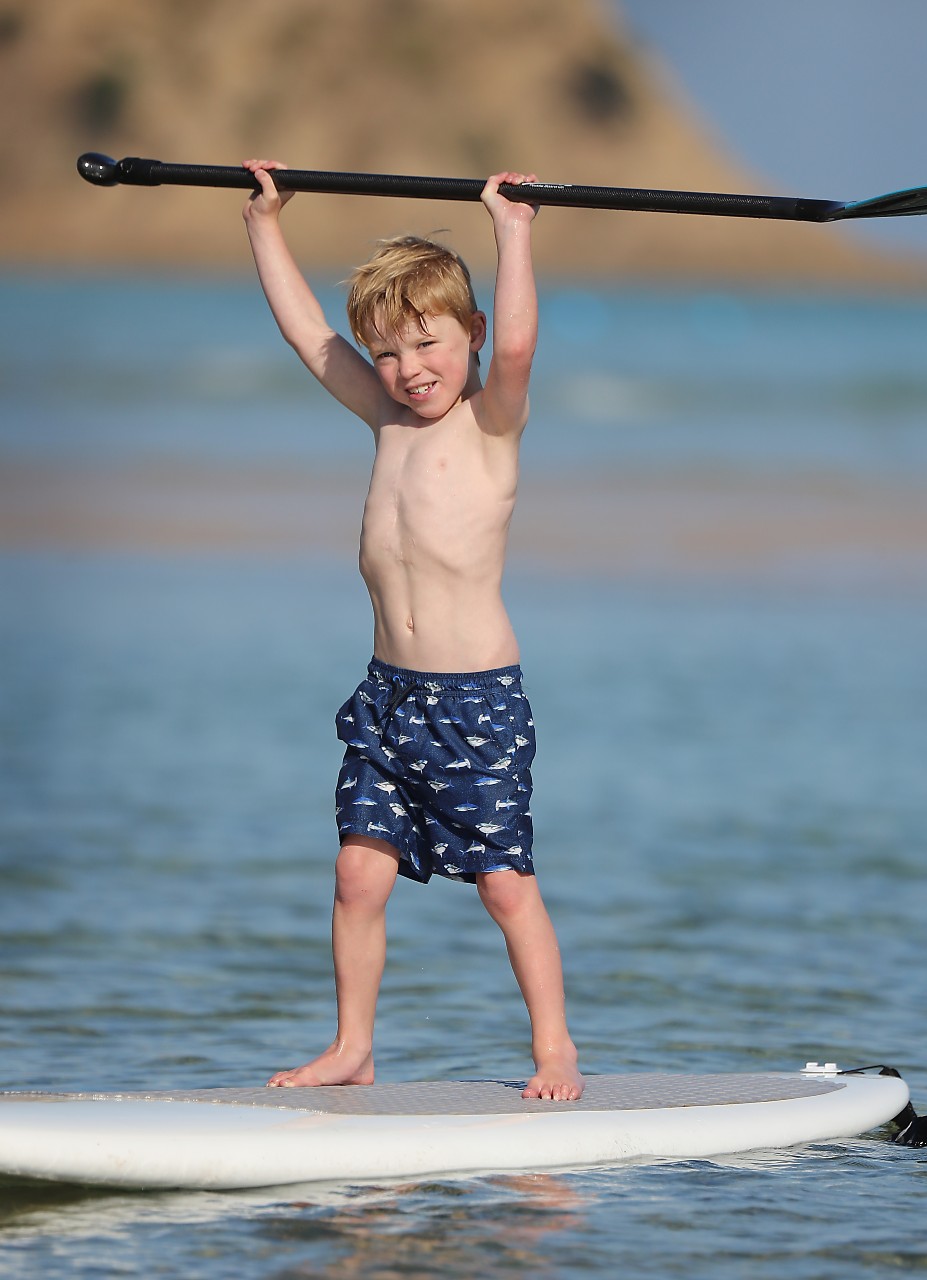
(429, 370)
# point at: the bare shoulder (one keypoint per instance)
(350, 378)
(501, 413)
(504, 409)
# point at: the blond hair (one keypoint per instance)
(406, 279)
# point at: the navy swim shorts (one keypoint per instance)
(439, 766)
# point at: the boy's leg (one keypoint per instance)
(365, 873)
(514, 901)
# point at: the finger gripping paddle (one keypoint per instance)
(135, 171)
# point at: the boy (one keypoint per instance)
(436, 774)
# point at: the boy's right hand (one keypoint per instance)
(268, 201)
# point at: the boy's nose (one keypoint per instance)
(408, 364)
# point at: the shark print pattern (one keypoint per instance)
(439, 766)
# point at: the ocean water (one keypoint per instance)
(730, 837)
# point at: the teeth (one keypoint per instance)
(420, 391)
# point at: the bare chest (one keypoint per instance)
(434, 484)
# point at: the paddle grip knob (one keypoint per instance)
(103, 171)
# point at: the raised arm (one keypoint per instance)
(340, 368)
(515, 309)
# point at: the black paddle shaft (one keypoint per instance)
(133, 171)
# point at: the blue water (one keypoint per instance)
(105, 369)
(734, 856)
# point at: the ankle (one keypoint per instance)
(554, 1050)
(352, 1047)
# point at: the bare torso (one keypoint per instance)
(433, 542)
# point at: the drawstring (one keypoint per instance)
(402, 692)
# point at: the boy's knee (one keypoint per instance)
(365, 872)
(503, 893)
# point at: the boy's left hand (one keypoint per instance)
(503, 210)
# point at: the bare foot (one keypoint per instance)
(557, 1080)
(337, 1065)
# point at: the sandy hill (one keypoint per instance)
(402, 86)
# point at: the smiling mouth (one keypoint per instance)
(421, 390)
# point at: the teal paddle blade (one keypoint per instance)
(895, 204)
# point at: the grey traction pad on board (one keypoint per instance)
(634, 1092)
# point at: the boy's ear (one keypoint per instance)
(477, 330)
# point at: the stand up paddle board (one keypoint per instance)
(222, 1139)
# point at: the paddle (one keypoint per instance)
(104, 172)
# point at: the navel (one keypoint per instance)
(410, 623)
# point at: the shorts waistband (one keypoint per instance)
(443, 679)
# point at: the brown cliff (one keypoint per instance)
(408, 86)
